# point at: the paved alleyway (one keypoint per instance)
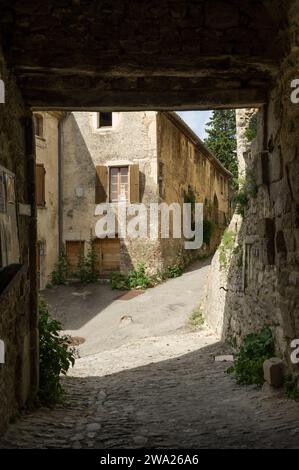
(160, 391)
(100, 315)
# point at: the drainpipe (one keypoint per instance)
(60, 180)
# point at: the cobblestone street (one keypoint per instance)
(164, 392)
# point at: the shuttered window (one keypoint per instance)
(40, 185)
(122, 181)
(134, 183)
(119, 183)
(38, 125)
(101, 184)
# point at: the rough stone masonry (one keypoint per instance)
(261, 281)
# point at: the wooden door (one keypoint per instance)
(73, 251)
(108, 255)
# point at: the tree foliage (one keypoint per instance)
(221, 140)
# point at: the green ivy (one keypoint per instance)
(87, 272)
(255, 349)
(208, 230)
(226, 248)
(291, 388)
(247, 189)
(251, 130)
(56, 357)
(59, 274)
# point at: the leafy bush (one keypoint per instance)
(241, 201)
(197, 318)
(55, 357)
(208, 230)
(255, 349)
(291, 388)
(119, 281)
(247, 189)
(87, 264)
(81, 272)
(138, 277)
(59, 275)
(175, 270)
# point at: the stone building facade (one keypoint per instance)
(47, 193)
(158, 159)
(18, 310)
(259, 286)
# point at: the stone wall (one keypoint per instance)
(243, 117)
(188, 166)
(168, 55)
(261, 282)
(18, 376)
(47, 216)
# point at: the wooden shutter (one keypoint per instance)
(134, 183)
(101, 184)
(40, 184)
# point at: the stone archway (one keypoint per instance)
(173, 55)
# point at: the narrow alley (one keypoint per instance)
(153, 390)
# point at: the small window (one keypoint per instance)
(104, 120)
(38, 125)
(119, 183)
(40, 185)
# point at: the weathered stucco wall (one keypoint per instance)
(132, 139)
(263, 277)
(17, 302)
(185, 168)
(47, 216)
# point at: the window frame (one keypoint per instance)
(118, 167)
(98, 120)
(38, 122)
